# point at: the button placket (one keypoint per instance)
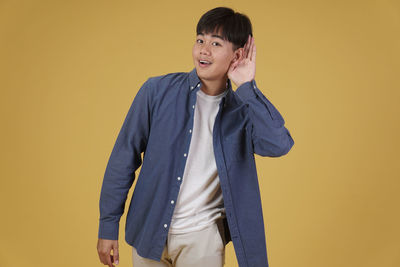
(185, 154)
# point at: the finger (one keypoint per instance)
(239, 59)
(254, 53)
(116, 256)
(245, 48)
(104, 255)
(248, 47)
(251, 48)
(232, 67)
(109, 261)
(103, 259)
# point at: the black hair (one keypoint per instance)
(236, 27)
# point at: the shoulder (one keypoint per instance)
(166, 80)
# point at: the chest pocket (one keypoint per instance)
(238, 146)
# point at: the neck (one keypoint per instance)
(214, 87)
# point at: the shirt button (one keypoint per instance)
(190, 130)
(165, 225)
(184, 155)
(172, 202)
(191, 87)
(179, 178)
(193, 106)
(198, 85)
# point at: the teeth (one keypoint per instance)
(206, 62)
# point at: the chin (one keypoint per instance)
(205, 73)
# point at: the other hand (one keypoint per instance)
(104, 247)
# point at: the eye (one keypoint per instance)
(199, 40)
(216, 43)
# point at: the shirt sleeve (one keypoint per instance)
(270, 137)
(124, 160)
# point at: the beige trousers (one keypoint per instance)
(196, 249)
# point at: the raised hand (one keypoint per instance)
(244, 69)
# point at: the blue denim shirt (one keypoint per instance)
(159, 124)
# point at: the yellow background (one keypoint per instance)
(69, 71)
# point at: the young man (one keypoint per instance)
(198, 188)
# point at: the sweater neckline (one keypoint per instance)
(211, 97)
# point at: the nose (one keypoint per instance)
(204, 50)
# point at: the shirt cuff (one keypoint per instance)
(108, 230)
(247, 90)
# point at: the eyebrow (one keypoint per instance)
(214, 35)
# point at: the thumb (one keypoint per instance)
(116, 255)
(232, 67)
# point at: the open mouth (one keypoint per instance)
(204, 63)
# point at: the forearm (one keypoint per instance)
(269, 134)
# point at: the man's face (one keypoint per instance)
(215, 50)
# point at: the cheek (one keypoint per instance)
(224, 59)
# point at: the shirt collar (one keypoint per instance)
(194, 81)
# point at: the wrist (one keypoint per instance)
(238, 84)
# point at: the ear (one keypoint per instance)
(238, 54)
